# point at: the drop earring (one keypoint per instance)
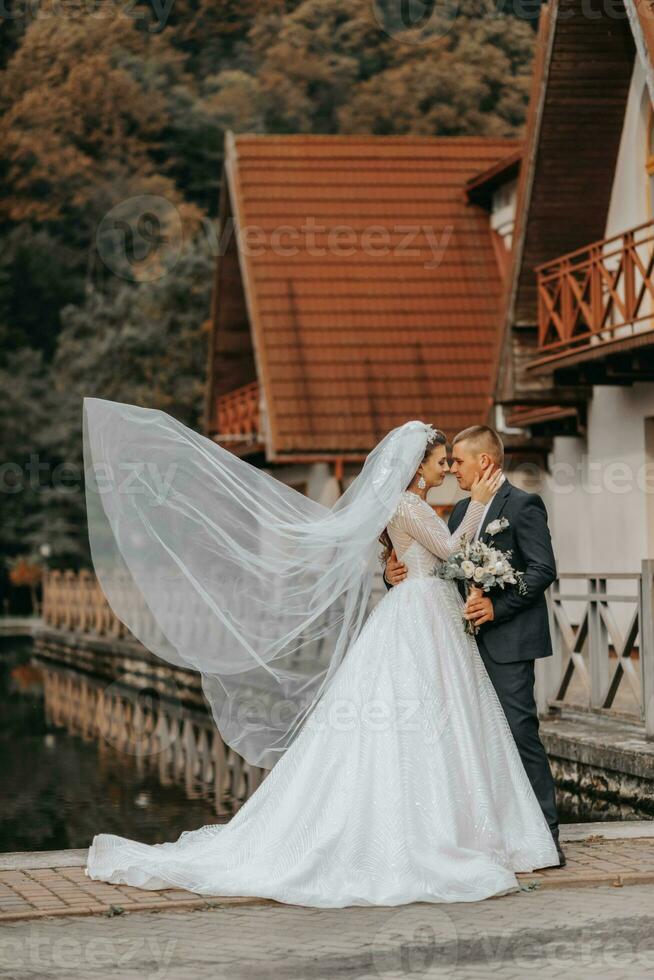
(421, 483)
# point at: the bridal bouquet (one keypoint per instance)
(478, 565)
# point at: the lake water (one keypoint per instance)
(57, 790)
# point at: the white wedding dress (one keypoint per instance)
(404, 785)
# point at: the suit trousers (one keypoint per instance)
(514, 685)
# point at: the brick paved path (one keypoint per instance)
(602, 933)
(38, 891)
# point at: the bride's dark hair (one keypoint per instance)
(384, 537)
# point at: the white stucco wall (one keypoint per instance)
(630, 204)
(502, 216)
(318, 478)
(600, 491)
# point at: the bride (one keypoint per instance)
(394, 777)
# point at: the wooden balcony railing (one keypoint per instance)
(601, 294)
(237, 416)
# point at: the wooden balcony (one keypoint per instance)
(549, 420)
(596, 312)
(237, 419)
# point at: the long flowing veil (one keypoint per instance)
(215, 565)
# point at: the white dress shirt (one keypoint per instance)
(486, 509)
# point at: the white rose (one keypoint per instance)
(467, 568)
(478, 574)
(496, 526)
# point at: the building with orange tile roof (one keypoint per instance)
(359, 285)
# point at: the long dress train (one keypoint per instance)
(404, 785)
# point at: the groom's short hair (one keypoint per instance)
(483, 439)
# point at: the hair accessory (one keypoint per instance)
(432, 433)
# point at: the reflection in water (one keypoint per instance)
(81, 755)
(59, 789)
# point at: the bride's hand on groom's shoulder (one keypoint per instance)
(395, 571)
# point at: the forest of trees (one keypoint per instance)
(102, 103)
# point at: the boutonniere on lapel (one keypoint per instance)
(496, 526)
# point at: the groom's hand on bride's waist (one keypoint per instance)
(479, 608)
(395, 571)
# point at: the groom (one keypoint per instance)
(513, 628)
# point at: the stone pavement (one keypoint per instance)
(603, 933)
(40, 885)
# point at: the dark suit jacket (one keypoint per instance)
(520, 630)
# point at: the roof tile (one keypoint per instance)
(354, 344)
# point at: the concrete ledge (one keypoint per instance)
(587, 881)
(20, 625)
(610, 830)
(34, 860)
(604, 743)
(36, 885)
(121, 906)
(613, 830)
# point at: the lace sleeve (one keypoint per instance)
(418, 520)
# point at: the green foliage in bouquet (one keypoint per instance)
(479, 565)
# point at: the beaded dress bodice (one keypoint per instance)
(420, 536)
